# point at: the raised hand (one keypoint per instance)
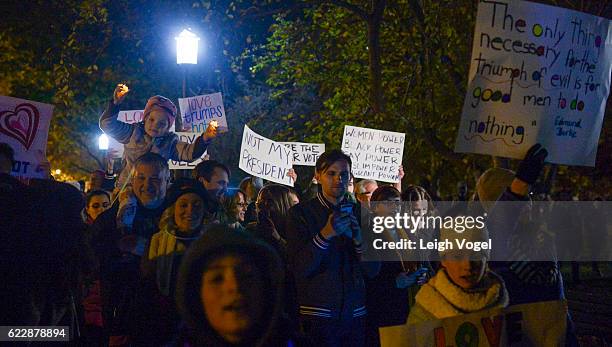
(120, 92)
(531, 166)
(211, 131)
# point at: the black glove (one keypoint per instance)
(531, 166)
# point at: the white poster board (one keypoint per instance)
(262, 157)
(131, 116)
(198, 111)
(376, 154)
(24, 125)
(538, 74)
(305, 154)
(538, 324)
(183, 165)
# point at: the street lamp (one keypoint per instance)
(103, 145)
(187, 47)
(186, 52)
(103, 142)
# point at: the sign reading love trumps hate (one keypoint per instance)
(539, 74)
(188, 138)
(24, 125)
(262, 157)
(198, 111)
(376, 154)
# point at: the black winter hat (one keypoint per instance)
(218, 240)
(185, 186)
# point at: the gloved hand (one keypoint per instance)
(128, 206)
(408, 279)
(531, 166)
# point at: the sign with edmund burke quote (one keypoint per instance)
(538, 74)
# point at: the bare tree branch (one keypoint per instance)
(81, 143)
(80, 168)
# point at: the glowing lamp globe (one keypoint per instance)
(187, 47)
(103, 142)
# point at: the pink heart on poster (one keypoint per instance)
(20, 124)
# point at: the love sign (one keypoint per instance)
(24, 125)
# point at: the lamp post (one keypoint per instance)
(186, 53)
(103, 144)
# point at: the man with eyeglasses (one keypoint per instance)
(364, 190)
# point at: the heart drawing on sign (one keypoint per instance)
(20, 124)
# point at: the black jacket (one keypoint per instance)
(329, 275)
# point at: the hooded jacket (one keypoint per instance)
(216, 241)
(527, 281)
(329, 274)
(137, 142)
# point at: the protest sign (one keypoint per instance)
(131, 116)
(189, 138)
(262, 157)
(134, 116)
(538, 324)
(376, 154)
(539, 74)
(198, 111)
(305, 154)
(24, 125)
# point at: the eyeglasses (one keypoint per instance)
(243, 204)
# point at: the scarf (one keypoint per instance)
(166, 250)
(443, 299)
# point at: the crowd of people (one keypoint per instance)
(194, 262)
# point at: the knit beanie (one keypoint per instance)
(473, 234)
(491, 184)
(162, 102)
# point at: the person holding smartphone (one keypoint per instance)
(391, 293)
(324, 245)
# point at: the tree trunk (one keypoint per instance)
(374, 53)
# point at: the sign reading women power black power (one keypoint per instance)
(376, 154)
(538, 74)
